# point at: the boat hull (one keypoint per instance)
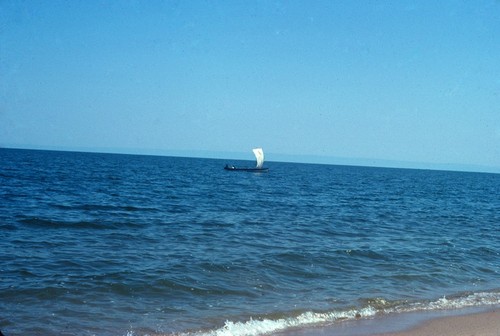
(255, 170)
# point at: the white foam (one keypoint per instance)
(266, 326)
(471, 300)
(256, 327)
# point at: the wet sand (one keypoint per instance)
(463, 322)
(481, 324)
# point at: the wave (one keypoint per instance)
(105, 207)
(375, 306)
(57, 224)
(48, 223)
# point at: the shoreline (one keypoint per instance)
(476, 321)
(477, 324)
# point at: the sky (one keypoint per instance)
(375, 82)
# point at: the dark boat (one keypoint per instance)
(228, 167)
(259, 155)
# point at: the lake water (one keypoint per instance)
(103, 244)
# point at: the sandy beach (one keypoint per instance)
(481, 324)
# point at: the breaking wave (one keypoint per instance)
(376, 306)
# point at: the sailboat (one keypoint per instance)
(259, 156)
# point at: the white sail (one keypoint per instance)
(259, 155)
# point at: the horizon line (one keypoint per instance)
(277, 157)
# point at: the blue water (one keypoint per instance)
(102, 244)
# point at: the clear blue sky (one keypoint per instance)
(404, 81)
